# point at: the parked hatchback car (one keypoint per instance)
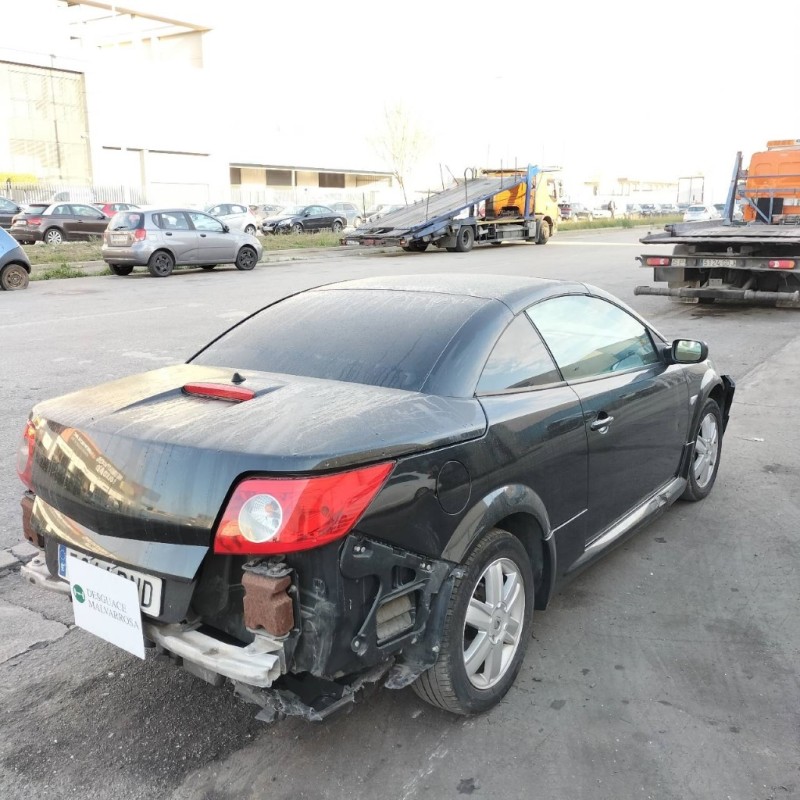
(109, 209)
(59, 222)
(15, 268)
(162, 239)
(8, 210)
(235, 216)
(304, 219)
(572, 212)
(309, 504)
(699, 212)
(351, 212)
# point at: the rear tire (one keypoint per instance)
(246, 258)
(161, 264)
(13, 277)
(120, 269)
(465, 239)
(486, 628)
(705, 454)
(207, 266)
(336, 227)
(53, 236)
(416, 247)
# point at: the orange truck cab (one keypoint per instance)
(772, 183)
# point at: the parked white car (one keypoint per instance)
(700, 211)
(236, 216)
(601, 211)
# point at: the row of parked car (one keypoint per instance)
(573, 212)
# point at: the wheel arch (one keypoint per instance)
(518, 510)
(19, 262)
(54, 227)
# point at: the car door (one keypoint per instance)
(635, 406)
(214, 245)
(85, 222)
(179, 235)
(536, 431)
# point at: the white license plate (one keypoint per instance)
(150, 588)
(351, 241)
(718, 262)
(119, 238)
(678, 262)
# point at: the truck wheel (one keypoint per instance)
(416, 247)
(706, 453)
(486, 628)
(13, 277)
(544, 233)
(465, 238)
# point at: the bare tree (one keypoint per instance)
(400, 144)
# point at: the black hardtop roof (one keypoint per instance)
(517, 292)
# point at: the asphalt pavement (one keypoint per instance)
(668, 670)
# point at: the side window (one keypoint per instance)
(238, 209)
(205, 223)
(63, 211)
(172, 221)
(85, 211)
(217, 210)
(589, 336)
(519, 360)
(7, 205)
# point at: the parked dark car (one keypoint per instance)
(8, 210)
(372, 480)
(351, 212)
(572, 212)
(59, 222)
(15, 268)
(648, 210)
(299, 219)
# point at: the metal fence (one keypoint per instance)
(23, 193)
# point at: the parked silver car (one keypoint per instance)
(237, 216)
(162, 239)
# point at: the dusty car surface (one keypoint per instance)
(15, 267)
(371, 480)
(164, 238)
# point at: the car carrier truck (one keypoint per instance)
(488, 207)
(756, 258)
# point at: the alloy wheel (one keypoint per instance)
(706, 451)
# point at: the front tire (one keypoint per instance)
(246, 258)
(705, 454)
(336, 227)
(486, 628)
(161, 264)
(544, 233)
(53, 236)
(13, 277)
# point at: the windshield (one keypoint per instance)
(369, 337)
(696, 209)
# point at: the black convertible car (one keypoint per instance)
(372, 480)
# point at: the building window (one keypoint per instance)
(279, 177)
(331, 180)
(236, 176)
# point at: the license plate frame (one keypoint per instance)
(719, 263)
(150, 588)
(119, 238)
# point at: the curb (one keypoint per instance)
(269, 257)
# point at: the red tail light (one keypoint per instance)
(782, 263)
(283, 515)
(25, 454)
(139, 235)
(657, 262)
(34, 221)
(219, 391)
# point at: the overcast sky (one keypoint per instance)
(621, 87)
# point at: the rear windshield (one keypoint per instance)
(376, 337)
(126, 221)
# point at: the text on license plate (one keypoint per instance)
(718, 262)
(119, 238)
(150, 587)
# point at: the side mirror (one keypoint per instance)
(226, 229)
(688, 351)
(307, 214)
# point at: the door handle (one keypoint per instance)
(202, 236)
(168, 234)
(601, 422)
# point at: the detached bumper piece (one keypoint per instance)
(722, 293)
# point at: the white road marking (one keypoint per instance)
(596, 244)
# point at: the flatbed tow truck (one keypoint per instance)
(756, 259)
(490, 207)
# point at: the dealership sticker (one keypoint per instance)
(106, 605)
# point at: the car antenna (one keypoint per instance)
(237, 378)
